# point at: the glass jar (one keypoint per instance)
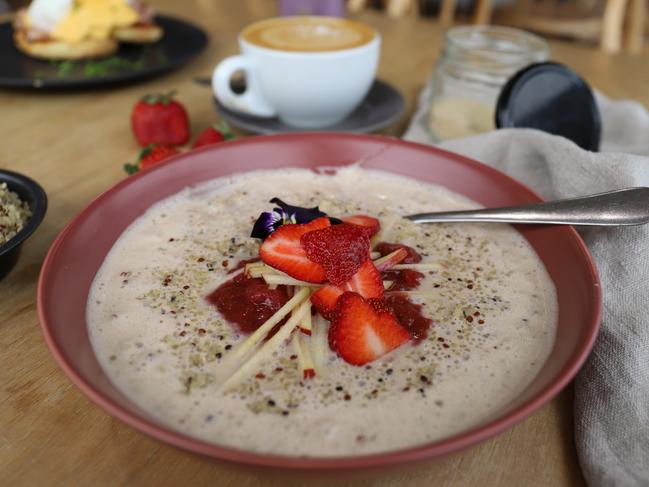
(476, 62)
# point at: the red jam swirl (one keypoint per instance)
(409, 315)
(403, 280)
(385, 248)
(247, 302)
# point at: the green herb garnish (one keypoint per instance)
(66, 68)
(107, 66)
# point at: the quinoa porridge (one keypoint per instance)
(164, 344)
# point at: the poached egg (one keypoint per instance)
(76, 20)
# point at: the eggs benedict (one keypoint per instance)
(144, 31)
(82, 29)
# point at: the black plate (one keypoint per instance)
(31, 192)
(382, 106)
(180, 43)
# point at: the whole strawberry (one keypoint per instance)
(159, 119)
(150, 156)
(213, 135)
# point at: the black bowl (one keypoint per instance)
(29, 191)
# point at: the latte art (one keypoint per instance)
(308, 34)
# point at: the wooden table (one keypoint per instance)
(74, 144)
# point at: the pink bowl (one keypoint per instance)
(79, 250)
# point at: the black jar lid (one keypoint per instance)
(551, 97)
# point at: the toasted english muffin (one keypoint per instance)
(54, 50)
(139, 34)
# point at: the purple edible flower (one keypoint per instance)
(269, 221)
(298, 213)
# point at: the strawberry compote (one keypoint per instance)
(247, 302)
(385, 248)
(409, 315)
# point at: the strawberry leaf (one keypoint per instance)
(225, 130)
(165, 98)
(131, 168)
(145, 152)
(150, 99)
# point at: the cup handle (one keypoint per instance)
(250, 101)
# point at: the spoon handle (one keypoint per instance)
(622, 207)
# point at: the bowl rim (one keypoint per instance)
(39, 208)
(416, 453)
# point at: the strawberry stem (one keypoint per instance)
(223, 127)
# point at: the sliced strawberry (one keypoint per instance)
(340, 249)
(324, 300)
(363, 330)
(385, 248)
(282, 251)
(367, 282)
(370, 225)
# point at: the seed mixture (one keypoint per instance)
(14, 214)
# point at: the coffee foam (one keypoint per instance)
(308, 34)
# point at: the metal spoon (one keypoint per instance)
(621, 207)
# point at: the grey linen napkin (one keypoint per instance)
(612, 390)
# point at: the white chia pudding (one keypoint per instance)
(492, 302)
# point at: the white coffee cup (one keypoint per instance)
(309, 71)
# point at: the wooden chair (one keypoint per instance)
(400, 8)
(636, 21)
(574, 20)
(620, 24)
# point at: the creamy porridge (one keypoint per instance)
(492, 304)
